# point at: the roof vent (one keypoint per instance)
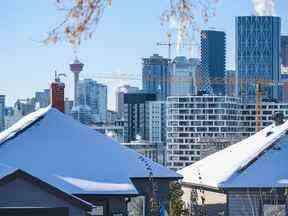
(278, 118)
(277, 148)
(269, 133)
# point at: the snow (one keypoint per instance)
(98, 186)
(283, 181)
(48, 144)
(220, 166)
(268, 171)
(22, 124)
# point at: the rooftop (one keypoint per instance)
(73, 157)
(245, 163)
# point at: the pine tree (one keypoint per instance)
(177, 205)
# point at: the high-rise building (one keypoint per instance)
(68, 106)
(2, 112)
(195, 64)
(121, 90)
(21, 108)
(42, 98)
(156, 76)
(136, 115)
(82, 113)
(181, 78)
(112, 116)
(157, 127)
(157, 121)
(94, 95)
(284, 53)
(24, 106)
(213, 62)
(11, 116)
(200, 125)
(258, 55)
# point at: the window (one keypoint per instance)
(274, 209)
(98, 210)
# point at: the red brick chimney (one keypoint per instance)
(57, 90)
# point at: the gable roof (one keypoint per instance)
(218, 169)
(73, 157)
(268, 171)
(7, 177)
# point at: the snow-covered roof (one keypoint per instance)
(73, 157)
(244, 163)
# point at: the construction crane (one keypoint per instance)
(57, 76)
(259, 95)
(258, 107)
(259, 88)
(169, 44)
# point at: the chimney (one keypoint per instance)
(57, 94)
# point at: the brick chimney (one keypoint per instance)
(57, 90)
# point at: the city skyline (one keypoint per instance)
(104, 53)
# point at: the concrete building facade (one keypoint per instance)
(121, 90)
(155, 76)
(181, 79)
(200, 125)
(43, 98)
(248, 116)
(94, 95)
(136, 115)
(157, 127)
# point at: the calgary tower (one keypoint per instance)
(76, 67)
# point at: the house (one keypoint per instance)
(18, 186)
(50, 162)
(247, 178)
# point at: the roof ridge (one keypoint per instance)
(264, 147)
(22, 124)
(215, 170)
(46, 186)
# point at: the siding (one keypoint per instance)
(244, 203)
(20, 193)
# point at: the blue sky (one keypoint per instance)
(128, 32)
